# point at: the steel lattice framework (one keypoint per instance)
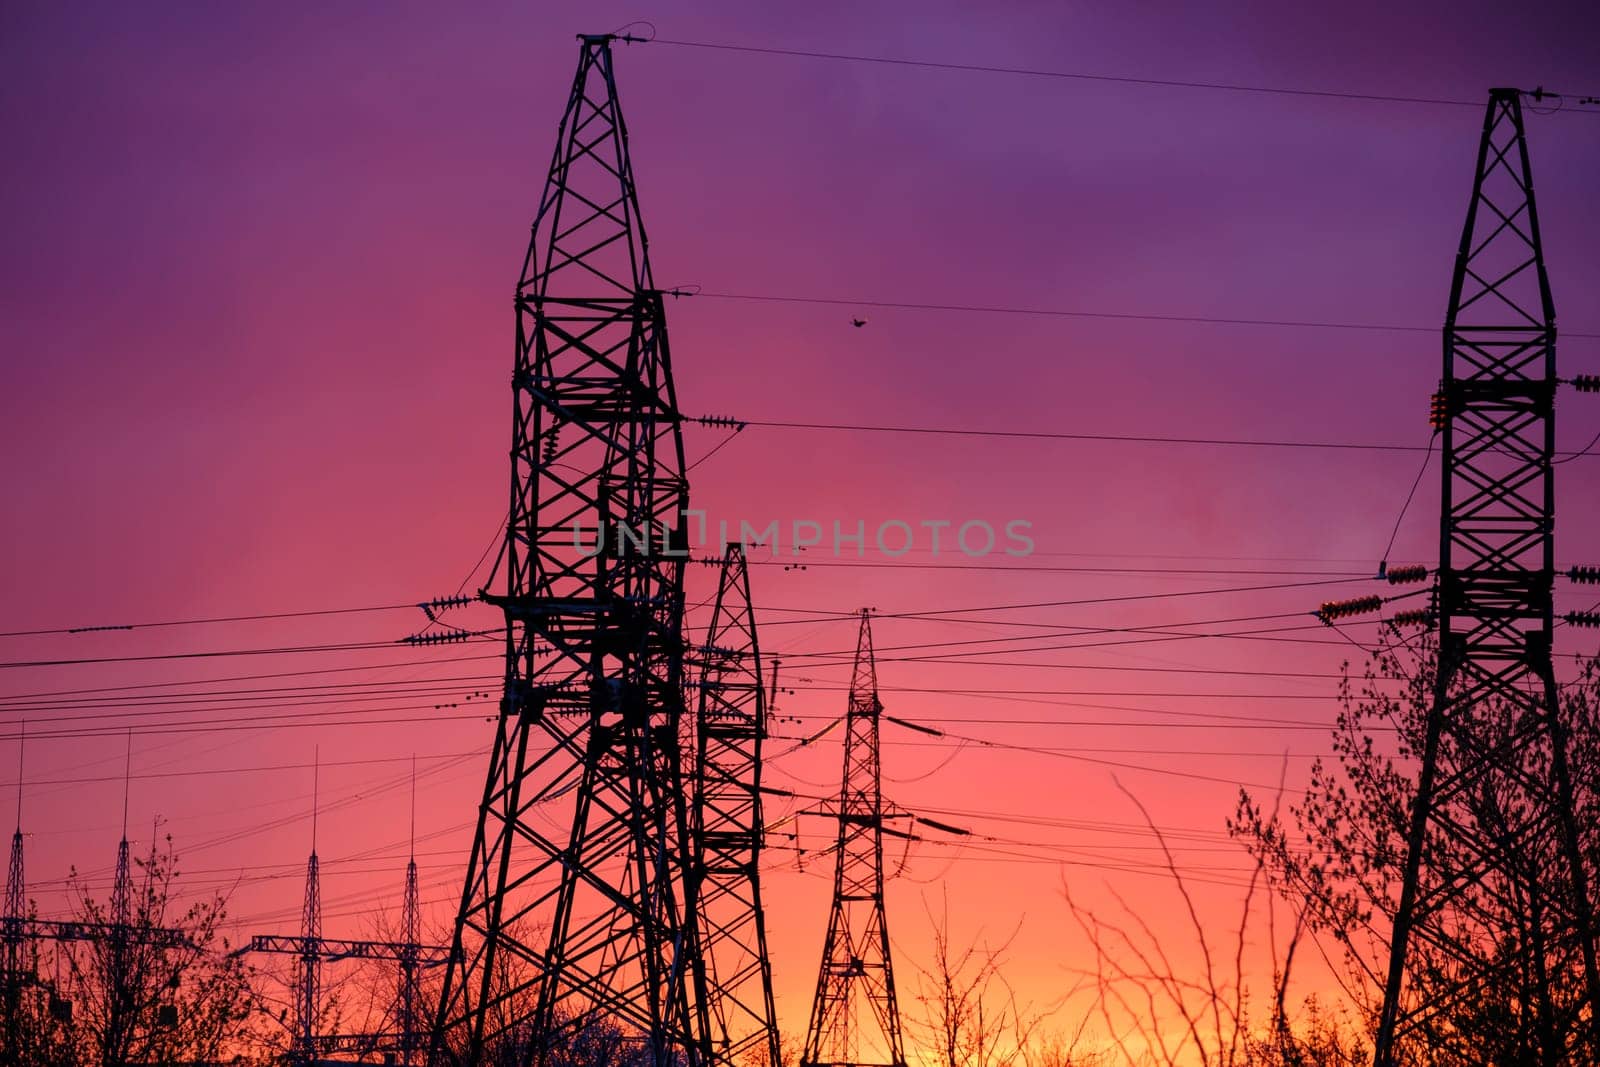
(311, 951)
(14, 955)
(308, 949)
(1495, 793)
(855, 1019)
(735, 1012)
(573, 906)
(411, 957)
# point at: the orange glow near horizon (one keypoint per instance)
(259, 342)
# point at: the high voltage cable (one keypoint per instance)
(246, 699)
(491, 678)
(160, 717)
(1175, 694)
(1208, 718)
(336, 700)
(359, 646)
(1071, 754)
(1073, 631)
(1048, 568)
(988, 720)
(201, 622)
(1062, 313)
(1196, 571)
(251, 704)
(289, 869)
(1047, 435)
(1119, 79)
(367, 646)
(360, 793)
(1161, 633)
(23, 702)
(1052, 568)
(1203, 720)
(941, 613)
(258, 768)
(249, 723)
(339, 703)
(255, 677)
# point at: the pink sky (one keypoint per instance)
(258, 336)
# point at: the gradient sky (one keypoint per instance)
(257, 335)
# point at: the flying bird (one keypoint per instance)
(858, 323)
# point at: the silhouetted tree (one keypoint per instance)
(1340, 852)
(131, 996)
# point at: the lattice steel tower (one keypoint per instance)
(14, 955)
(855, 1019)
(573, 906)
(406, 1021)
(735, 1013)
(308, 962)
(1495, 791)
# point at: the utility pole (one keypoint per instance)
(736, 1016)
(855, 1019)
(572, 914)
(1495, 791)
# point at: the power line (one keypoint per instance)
(1119, 79)
(1079, 631)
(234, 725)
(1072, 754)
(96, 628)
(247, 696)
(1184, 572)
(1045, 435)
(249, 769)
(358, 646)
(940, 612)
(1074, 313)
(249, 677)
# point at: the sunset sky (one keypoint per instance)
(257, 338)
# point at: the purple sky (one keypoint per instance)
(255, 317)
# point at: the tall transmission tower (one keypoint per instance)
(572, 913)
(735, 1004)
(855, 1019)
(1495, 791)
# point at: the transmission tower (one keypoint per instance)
(572, 913)
(120, 1013)
(308, 967)
(855, 1019)
(407, 1038)
(14, 956)
(1495, 788)
(735, 1005)
(410, 961)
(311, 951)
(20, 934)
